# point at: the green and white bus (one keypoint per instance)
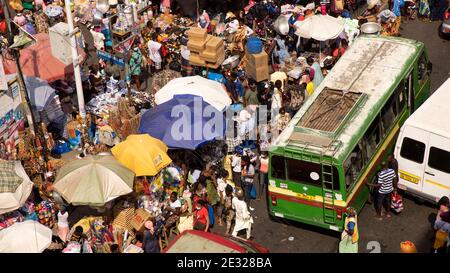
(320, 163)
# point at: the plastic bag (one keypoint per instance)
(253, 192)
(396, 202)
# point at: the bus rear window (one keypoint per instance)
(278, 167)
(309, 173)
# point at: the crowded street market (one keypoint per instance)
(138, 126)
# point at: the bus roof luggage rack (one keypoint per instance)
(330, 111)
(324, 145)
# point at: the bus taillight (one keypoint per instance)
(274, 200)
(339, 214)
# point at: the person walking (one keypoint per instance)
(387, 183)
(276, 100)
(228, 208)
(136, 65)
(247, 176)
(236, 167)
(63, 224)
(151, 241)
(350, 235)
(243, 218)
(263, 172)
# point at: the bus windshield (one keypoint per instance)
(300, 171)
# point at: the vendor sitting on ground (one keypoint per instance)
(373, 8)
(173, 210)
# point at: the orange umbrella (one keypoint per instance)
(37, 61)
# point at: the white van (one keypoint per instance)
(423, 148)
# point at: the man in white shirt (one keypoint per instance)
(153, 51)
(243, 218)
(236, 167)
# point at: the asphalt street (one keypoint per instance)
(414, 223)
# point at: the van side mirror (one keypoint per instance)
(429, 67)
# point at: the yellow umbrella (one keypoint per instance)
(142, 154)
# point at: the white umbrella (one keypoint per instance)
(15, 186)
(320, 27)
(25, 237)
(93, 180)
(211, 91)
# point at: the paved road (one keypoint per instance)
(412, 224)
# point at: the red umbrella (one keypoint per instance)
(37, 61)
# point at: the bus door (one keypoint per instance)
(437, 170)
(411, 158)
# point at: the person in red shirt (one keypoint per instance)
(201, 217)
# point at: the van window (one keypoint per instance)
(413, 150)
(439, 159)
(300, 171)
(278, 167)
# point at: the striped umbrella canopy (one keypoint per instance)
(15, 186)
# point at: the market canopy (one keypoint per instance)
(15, 186)
(37, 61)
(39, 92)
(93, 180)
(320, 27)
(184, 122)
(25, 237)
(212, 92)
(143, 154)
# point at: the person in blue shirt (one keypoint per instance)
(397, 7)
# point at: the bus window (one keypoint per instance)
(353, 166)
(412, 150)
(423, 71)
(278, 167)
(402, 94)
(302, 171)
(389, 113)
(372, 138)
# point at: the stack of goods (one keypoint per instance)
(123, 215)
(10, 218)
(257, 66)
(205, 50)
(123, 119)
(139, 219)
(99, 237)
(46, 214)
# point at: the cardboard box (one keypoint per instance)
(212, 57)
(259, 74)
(196, 46)
(258, 59)
(215, 44)
(139, 219)
(197, 33)
(215, 65)
(195, 59)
